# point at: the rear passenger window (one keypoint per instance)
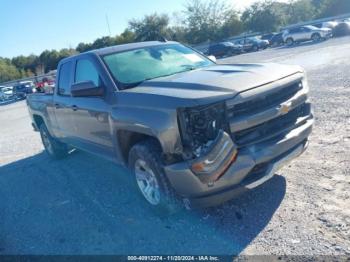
(64, 79)
(86, 71)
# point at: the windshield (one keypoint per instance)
(131, 68)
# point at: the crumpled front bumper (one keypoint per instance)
(253, 166)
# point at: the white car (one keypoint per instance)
(306, 33)
(6, 93)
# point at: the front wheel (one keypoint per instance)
(316, 38)
(289, 41)
(144, 162)
(52, 146)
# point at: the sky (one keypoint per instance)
(31, 26)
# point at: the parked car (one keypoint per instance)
(7, 93)
(192, 132)
(3, 96)
(329, 24)
(277, 40)
(252, 44)
(306, 33)
(23, 88)
(224, 49)
(267, 37)
(342, 29)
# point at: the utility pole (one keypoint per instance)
(109, 29)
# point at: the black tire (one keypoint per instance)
(255, 48)
(316, 37)
(150, 152)
(52, 146)
(290, 41)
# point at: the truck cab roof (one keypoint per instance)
(119, 48)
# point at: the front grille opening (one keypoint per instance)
(271, 128)
(261, 103)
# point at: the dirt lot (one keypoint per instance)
(86, 205)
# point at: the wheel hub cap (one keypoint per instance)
(147, 182)
(46, 142)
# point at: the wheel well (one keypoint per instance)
(38, 120)
(315, 34)
(127, 139)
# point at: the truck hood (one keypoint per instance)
(215, 81)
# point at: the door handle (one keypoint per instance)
(74, 108)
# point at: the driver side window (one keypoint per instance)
(86, 71)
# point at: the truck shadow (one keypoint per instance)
(85, 205)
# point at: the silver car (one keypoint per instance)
(306, 33)
(6, 93)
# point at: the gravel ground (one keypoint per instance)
(86, 205)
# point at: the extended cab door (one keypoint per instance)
(62, 103)
(91, 114)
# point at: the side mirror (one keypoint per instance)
(86, 88)
(212, 58)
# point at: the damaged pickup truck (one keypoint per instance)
(192, 132)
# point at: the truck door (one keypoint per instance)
(63, 102)
(91, 114)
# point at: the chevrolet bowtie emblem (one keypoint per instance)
(284, 109)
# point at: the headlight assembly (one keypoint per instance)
(200, 126)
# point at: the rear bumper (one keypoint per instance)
(254, 165)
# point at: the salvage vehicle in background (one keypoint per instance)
(6, 93)
(3, 96)
(277, 40)
(23, 88)
(342, 29)
(306, 33)
(192, 132)
(223, 49)
(267, 37)
(252, 44)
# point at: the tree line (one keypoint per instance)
(199, 21)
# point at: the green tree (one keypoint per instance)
(151, 27)
(8, 71)
(333, 7)
(207, 20)
(263, 17)
(301, 10)
(127, 36)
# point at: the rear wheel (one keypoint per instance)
(144, 162)
(52, 146)
(290, 41)
(316, 37)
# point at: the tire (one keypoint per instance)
(53, 147)
(289, 41)
(316, 37)
(255, 48)
(145, 157)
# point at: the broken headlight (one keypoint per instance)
(200, 126)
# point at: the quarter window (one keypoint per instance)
(64, 79)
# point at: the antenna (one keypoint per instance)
(109, 29)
